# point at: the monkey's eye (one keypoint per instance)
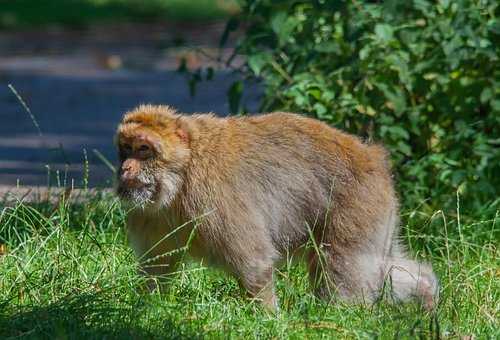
(143, 148)
(144, 151)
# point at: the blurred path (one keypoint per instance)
(79, 83)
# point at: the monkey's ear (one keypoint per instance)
(182, 130)
(183, 135)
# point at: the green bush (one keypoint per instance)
(420, 76)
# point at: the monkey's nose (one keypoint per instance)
(131, 182)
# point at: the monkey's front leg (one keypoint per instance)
(155, 259)
(259, 283)
(156, 269)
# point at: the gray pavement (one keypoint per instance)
(78, 95)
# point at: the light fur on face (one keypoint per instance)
(170, 183)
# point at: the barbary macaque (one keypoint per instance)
(253, 189)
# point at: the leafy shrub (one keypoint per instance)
(420, 76)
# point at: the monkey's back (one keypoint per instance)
(288, 171)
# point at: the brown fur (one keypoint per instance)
(258, 187)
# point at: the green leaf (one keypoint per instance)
(495, 105)
(404, 148)
(320, 109)
(486, 95)
(301, 100)
(328, 47)
(283, 26)
(384, 32)
(364, 53)
(327, 95)
(398, 132)
(257, 62)
(315, 93)
(395, 96)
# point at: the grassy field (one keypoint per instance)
(75, 13)
(66, 272)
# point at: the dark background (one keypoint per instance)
(79, 65)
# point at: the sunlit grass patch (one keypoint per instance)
(67, 271)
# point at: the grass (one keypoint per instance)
(68, 273)
(76, 13)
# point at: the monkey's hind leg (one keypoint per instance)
(351, 268)
(348, 276)
(362, 274)
(410, 279)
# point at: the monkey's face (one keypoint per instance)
(153, 149)
(138, 182)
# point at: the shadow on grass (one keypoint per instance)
(86, 316)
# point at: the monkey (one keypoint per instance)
(248, 190)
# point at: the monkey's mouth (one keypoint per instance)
(137, 194)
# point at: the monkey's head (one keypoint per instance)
(153, 150)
